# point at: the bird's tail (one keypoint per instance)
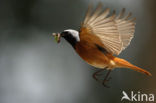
(125, 64)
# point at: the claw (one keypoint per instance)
(106, 77)
(106, 80)
(97, 74)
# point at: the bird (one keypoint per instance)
(101, 37)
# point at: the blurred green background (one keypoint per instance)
(34, 69)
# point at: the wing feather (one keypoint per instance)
(114, 32)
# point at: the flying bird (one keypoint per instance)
(101, 38)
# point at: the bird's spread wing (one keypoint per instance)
(114, 32)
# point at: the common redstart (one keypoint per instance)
(100, 38)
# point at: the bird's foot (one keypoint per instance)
(97, 74)
(106, 80)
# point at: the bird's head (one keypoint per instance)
(72, 36)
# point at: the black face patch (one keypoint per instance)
(69, 37)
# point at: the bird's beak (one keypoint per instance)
(57, 37)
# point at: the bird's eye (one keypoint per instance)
(66, 32)
(63, 33)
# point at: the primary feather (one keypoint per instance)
(115, 32)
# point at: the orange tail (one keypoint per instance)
(125, 64)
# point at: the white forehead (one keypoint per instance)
(74, 33)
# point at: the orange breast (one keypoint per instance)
(91, 54)
(88, 51)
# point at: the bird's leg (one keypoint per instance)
(96, 74)
(106, 79)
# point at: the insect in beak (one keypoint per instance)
(57, 37)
